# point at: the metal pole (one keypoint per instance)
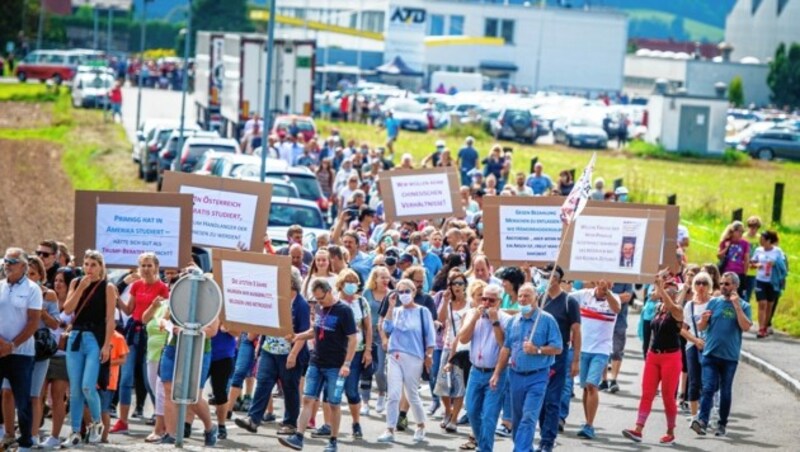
(96, 35)
(187, 41)
(360, 26)
(110, 31)
(539, 49)
(267, 113)
(187, 363)
(41, 26)
(142, 32)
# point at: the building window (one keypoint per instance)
(452, 68)
(490, 29)
(507, 31)
(436, 25)
(468, 69)
(456, 25)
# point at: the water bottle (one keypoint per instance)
(339, 389)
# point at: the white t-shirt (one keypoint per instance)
(767, 259)
(457, 318)
(698, 310)
(15, 301)
(597, 322)
(359, 312)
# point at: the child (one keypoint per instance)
(119, 352)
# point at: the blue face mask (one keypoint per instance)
(541, 288)
(426, 247)
(525, 310)
(480, 228)
(350, 288)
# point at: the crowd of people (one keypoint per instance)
(379, 309)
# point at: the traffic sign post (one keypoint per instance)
(194, 303)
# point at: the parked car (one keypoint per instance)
(90, 89)
(580, 133)
(195, 147)
(205, 164)
(281, 188)
(169, 150)
(410, 115)
(233, 165)
(775, 143)
(305, 126)
(148, 154)
(516, 124)
(43, 65)
(285, 212)
(740, 139)
(306, 183)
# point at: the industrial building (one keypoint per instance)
(755, 28)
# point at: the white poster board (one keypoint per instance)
(223, 219)
(613, 244)
(250, 293)
(126, 231)
(529, 233)
(425, 195)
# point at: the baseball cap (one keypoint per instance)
(440, 143)
(405, 257)
(621, 191)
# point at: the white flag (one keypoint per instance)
(577, 198)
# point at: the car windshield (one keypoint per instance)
(303, 126)
(408, 107)
(283, 191)
(307, 186)
(98, 82)
(283, 215)
(517, 115)
(197, 151)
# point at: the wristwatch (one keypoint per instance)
(538, 350)
(496, 323)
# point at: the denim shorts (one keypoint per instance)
(318, 379)
(166, 368)
(592, 367)
(106, 400)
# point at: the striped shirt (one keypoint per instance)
(597, 321)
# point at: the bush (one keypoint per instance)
(730, 157)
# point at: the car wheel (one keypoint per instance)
(57, 79)
(570, 143)
(765, 154)
(141, 171)
(22, 77)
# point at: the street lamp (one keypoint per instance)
(273, 13)
(142, 40)
(187, 32)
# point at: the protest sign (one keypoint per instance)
(124, 225)
(421, 194)
(228, 213)
(256, 291)
(522, 229)
(619, 245)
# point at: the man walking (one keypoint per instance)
(724, 321)
(532, 339)
(20, 310)
(334, 333)
(467, 160)
(484, 331)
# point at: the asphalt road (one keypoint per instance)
(764, 418)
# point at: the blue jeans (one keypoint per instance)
(271, 369)
(694, 361)
(351, 384)
(527, 395)
(17, 369)
(318, 379)
(435, 365)
(137, 353)
(83, 368)
(551, 409)
(483, 406)
(569, 383)
(245, 358)
(717, 374)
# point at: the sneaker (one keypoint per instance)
(684, 407)
(451, 428)
(138, 413)
(187, 430)
(210, 437)
(587, 432)
(402, 424)
(51, 443)
(503, 431)
(386, 437)
(603, 386)
(293, 442)
(222, 432)
(167, 439)
(762, 333)
(357, 433)
(699, 427)
(613, 387)
(434, 407)
(333, 446)
(247, 424)
(667, 440)
(269, 418)
(364, 410)
(95, 432)
(73, 440)
(632, 435)
(247, 403)
(561, 424)
(380, 405)
(419, 435)
(463, 420)
(322, 432)
(119, 427)
(237, 405)
(721, 431)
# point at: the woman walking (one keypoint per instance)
(376, 290)
(450, 385)
(92, 300)
(662, 365)
(734, 253)
(157, 337)
(410, 349)
(770, 263)
(692, 312)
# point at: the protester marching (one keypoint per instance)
(492, 291)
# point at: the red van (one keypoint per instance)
(59, 65)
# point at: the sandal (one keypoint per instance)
(286, 430)
(153, 438)
(469, 445)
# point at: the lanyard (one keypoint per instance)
(322, 319)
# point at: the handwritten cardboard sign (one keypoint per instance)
(421, 194)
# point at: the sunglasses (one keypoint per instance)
(458, 283)
(489, 299)
(405, 291)
(700, 283)
(11, 260)
(43, 254)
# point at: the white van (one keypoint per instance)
(90, 89)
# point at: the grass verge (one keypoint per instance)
(707, 190)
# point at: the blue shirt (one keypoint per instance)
(223, 345)
(392, 127)
(432, 264)
(539, 184)
(362, 264)
(406, 331)
(518, 330)
(469, 158)
(723, 335)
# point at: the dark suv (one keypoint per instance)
(516, 124)
(775, 143)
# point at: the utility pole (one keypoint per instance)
(96, 35)
(41, 26)
(273, 13)
(187, 42)
(142, 31)
(110, 31)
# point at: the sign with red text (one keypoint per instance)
(256, 291)
(421, 194)
(122, 226)
(228, 213)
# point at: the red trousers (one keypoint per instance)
(664, 368)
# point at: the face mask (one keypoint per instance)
(406, 298)
(525, 310)
(437, 250)
(426, 247)
(350, 288)
(541, 289)
(480, 228)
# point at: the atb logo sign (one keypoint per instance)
(409, 16)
